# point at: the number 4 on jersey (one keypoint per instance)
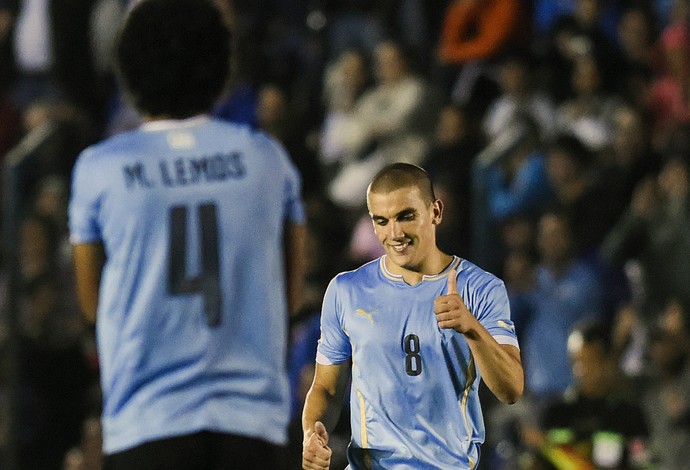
(207, 282)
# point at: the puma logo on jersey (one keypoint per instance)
(505, 325)
(359, 311)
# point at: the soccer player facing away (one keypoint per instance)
(422, 328)
(188, 236)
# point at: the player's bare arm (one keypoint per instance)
(88, 267)
(295, 265)
(323, 396)
(500, 365)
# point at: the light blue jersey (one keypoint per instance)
(414, 398)
(192, 315)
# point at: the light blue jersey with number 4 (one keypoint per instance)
(192, 319)
(414, 396)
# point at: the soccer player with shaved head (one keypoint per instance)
(421, 329)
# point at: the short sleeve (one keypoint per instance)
(292, 197)
(492, 309)
(84, 202)
(334, 344)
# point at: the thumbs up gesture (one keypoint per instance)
(452, 283)
(316, 455)
(450, 309)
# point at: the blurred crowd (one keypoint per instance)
(557, 134)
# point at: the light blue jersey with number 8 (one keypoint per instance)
(414, 396)
(191, 322)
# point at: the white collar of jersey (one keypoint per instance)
(173, 124)
(425, 277)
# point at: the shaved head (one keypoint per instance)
(403, 175)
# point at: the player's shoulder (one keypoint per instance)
(475, 276)
(235, 129)
(258, 143)
(362, 274)
(109, 148)
(248, 138)
(113, 142)
(252, 136)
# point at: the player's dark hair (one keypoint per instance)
(400, 175)
(173, 56)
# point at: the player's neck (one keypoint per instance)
(168, 117)
(434, 264)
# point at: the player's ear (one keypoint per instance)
(437, 211)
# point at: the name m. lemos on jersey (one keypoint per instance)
(186, 171)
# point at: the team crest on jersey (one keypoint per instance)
(369, 315)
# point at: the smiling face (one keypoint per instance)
(405, 224)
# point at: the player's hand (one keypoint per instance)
(316, 455)
(450, 309)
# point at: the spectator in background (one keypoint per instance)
(88, 454)
(546, 13)
(456, 142)
(518, 95)
(51, 199)
(589, 112)
(390, 122)
(519, 271)
(55, 377)
(629, 158)
(567, 290)
(10, 121)
(106, 16)
(579, 32)
(63, 131)
(344, 81)
(362, 24)
(247, 23)
(52, 53)
(666, 400)
(655, 232)
(509, 181)
(273, 112)
(42, 254)
(672, 11)
(598, 422)
(667, 102)
(636, 33)
(518, 183)
(6, 22)
(357, 24)
(572, 173)
(473, 34)
(39, 248)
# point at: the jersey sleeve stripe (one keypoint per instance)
(323, 360)
(504, 339)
